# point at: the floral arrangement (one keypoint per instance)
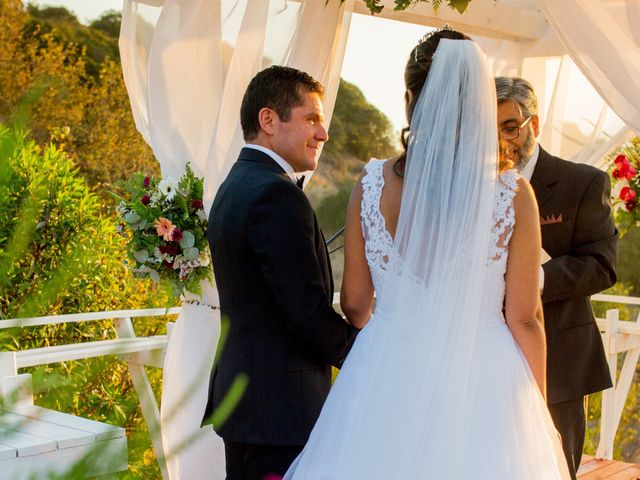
(166, 225)
(624, 174)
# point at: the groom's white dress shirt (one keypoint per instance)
(277, 158)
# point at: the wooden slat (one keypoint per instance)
(615, 299)
(102, 431)
(77, 351)
(64, 436)
(26, 444)
(87, 317)
(590, 465)
(630, 473)
(102, 458)
(489, 19)
(603, 469)
(7, 452)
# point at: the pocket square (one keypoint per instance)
(549, 219)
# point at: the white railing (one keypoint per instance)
(137, 352)
(619, 337)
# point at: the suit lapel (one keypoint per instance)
(544, 176)
(256, 156)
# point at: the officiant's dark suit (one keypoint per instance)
(579, 235)
(274, 278)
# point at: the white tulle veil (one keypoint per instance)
(434, 284)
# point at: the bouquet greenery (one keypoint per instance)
(166, 225)
(625, 177)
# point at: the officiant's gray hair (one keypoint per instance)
(518, 90)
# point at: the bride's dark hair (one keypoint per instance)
(415, 76)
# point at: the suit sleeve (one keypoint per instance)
(282, 233)
(591, 265)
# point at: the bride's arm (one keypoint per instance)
(523, 309)
(356, 294)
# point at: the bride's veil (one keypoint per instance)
(433, 291)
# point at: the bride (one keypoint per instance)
(447, 378)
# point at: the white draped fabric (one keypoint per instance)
(185, 82)
(604, 48)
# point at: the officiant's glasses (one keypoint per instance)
(511, 131)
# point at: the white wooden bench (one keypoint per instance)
(36, 442)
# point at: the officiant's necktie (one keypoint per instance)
(300, 182)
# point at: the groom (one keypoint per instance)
(579, 234)
(273, 275)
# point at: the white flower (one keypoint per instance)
(156, 198)
(202, 215)
(203, 258)
(167, 187)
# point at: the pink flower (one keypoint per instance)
(164, 228)
(272, 476)
(177, 234)
(145, 200)
(146, 182)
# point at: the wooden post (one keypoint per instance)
(608, 424)
(146, 397)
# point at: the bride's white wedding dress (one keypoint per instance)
(374, 424)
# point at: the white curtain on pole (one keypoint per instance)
(185, 93)
(604, 48)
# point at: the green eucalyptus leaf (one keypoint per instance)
(141, 256)
(132, 218)
(188, 239)
(191, 253)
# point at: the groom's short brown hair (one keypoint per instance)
(277, 88)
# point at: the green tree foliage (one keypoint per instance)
(97, 42)
(59, 254)
(358, 131)
(358, 128)
(375, 6)
(48, 46)
(629, 264)
(108, 23)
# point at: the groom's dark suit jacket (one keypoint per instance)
(273, 275)
(579, 234)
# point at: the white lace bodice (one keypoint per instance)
(379, 243)
(377, 239)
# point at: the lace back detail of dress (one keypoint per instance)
(504, 218)
(378, 241)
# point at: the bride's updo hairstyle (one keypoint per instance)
(415, 77)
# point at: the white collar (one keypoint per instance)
(530, 166)
(288, 169)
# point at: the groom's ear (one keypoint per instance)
(267, 119)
